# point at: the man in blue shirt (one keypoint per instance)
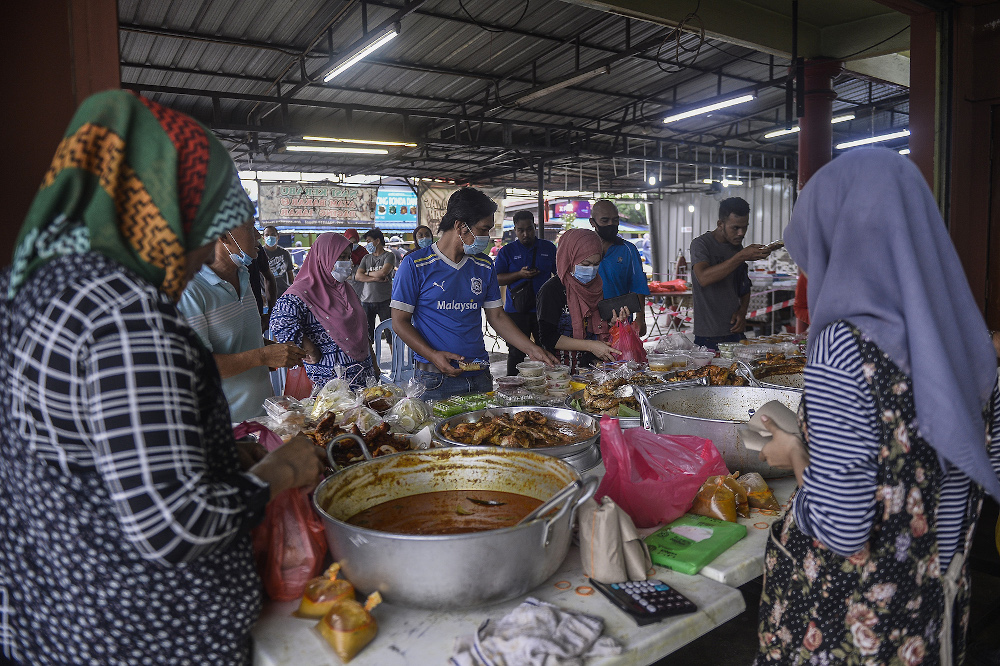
(621, 269)
(220, 306)
(526, 264)
(437, 299)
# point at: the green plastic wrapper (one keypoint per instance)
(691, 542)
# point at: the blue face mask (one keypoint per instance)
(584, 273)
(241, 259)
(270, 241)
(425, 242)
(479, 245)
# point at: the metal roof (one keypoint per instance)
(251, 70)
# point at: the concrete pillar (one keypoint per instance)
(56, 53)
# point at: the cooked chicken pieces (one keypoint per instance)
(525, 429)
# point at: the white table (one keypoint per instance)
(744, 561)
(408, 637)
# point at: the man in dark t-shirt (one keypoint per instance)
(721, 281)
(279, 260)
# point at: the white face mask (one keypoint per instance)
(342, 270)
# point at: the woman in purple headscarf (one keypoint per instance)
(897, 440)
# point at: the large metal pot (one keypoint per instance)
(570, 416)
(447, 572)
(716, 413)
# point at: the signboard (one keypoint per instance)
(396, 206)
(309, 203)
(581, 209)
(434, 204)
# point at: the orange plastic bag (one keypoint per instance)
(297, 383)
(654, 478)
(289, 546)
(626, 340)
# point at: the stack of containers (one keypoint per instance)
(557, 381)
(533, 374)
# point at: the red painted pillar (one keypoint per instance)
(815, 145)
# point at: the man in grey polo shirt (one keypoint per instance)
(721, 284)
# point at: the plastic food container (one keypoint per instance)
(660, 362)
(727, 349)
(557, 372)
(701, 358)
(531, 368)
(512, 382)
(557, 385)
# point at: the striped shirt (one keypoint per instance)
(837, 501)
(229, 323)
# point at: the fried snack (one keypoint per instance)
(716, 500)
(759, 495)
(323, 592)
(469, 366)
(524, 430)
(348, 626)
(717, 375)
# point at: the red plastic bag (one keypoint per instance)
(297, 383)
(654, 478)
(626, 340)
(269, 440)
(289, 546)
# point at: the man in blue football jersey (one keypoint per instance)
(437, 297)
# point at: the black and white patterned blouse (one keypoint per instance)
(124, 518)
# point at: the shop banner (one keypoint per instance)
(308, 203)
(579, 209)
(396, 206)
(434, 204)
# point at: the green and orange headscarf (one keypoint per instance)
(138, 182)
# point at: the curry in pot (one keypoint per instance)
(447, 512)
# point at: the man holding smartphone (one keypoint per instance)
(721, 280)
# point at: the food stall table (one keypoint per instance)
(744, 561)
(411, 637)
(662, 302)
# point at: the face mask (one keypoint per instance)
(370, 247)
(425, 242)
(584, 273)
(355, 245)
(270, 241)
(609, 232)
(241, 259)
(342, 270)
(479, 245)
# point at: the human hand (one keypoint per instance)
(623, 315)
(739, 322)
(603, 351)
(442, 361)
(527, 273)
(297, 464)
(785, 450)
(282, 355)
(754, 252)
(313, 354)
(536, 353)
(250, 452)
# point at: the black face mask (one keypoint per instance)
(608, 232)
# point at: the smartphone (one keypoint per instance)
(776, 245)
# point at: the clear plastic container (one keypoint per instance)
(660, 362)
(727, 349)
(531, 368)
(700, 358)
(557, 385)
(557, 372)
(511, 382)
(533, 382)
(514, 397)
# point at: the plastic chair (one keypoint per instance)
(401, 366)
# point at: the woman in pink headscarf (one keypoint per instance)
(321, 313)
(569, 325)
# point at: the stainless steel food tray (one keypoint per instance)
(565, 415)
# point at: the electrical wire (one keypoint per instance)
(868, 48)
(680, 49)
(739, 57)
(461, 4)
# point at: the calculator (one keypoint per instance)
(647, 601)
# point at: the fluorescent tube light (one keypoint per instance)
(783, 132)
(336, 149)
(726, 182)
(559, 84)
(904, 151)
(708, 181)
(711, 107)
(372, 142)
(873, 139)
(366, 48)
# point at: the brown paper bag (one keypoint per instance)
(610, 548)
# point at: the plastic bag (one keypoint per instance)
(348, 627)
(297, 383)
(269, 440)
(626, 340)
(289, 546)
(323, 593)
(411, 412)
(380, 396)
(365, 418)
(654, 478)
(335, 396)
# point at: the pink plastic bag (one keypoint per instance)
(289, 546)
(624, 338)
(268, 439)
(297, 383)
(654, 478)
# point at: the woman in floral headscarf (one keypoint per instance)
(124, 507)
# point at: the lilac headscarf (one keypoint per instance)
(868, 233)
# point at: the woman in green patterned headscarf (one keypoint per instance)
(124, 505)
